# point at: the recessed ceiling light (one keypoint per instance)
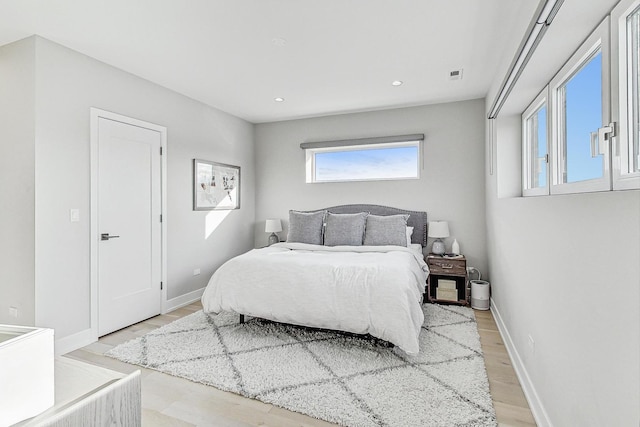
(397, 83)
(278, 99)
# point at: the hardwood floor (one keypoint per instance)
(172, 401)
(509, 401)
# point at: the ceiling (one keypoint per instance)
(322, 56)
(575, 21)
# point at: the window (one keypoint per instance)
(633, 57)
(625, 24)
(592, 112)
(580, 111)
(580, 100)
(367, 159)
(535, 156)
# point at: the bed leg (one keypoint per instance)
(242, 318)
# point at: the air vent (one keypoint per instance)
(455, 74)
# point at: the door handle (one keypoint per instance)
(105, 236)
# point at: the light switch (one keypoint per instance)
(74, 215)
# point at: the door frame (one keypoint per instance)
(97, 114)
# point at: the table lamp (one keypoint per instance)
(273, 226)
(438, 230)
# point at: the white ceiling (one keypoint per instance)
(575, 21)
(322, 56)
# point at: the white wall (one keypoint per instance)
(565, 270)
(17, 234)
(67, 84)
(451, 186)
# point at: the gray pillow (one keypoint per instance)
(386, 230)
(344, 229)
(306, 227)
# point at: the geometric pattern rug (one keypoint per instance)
(345, 379)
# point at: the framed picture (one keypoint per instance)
(215, 186)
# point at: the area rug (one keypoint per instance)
(345, 379)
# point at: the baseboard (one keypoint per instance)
(537, 409)
(182, 300)
(83, 338)
(73, 342)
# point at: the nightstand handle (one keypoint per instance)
(447, 265)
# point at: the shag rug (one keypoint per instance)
(345, 379)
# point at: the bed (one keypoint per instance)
(366, 286)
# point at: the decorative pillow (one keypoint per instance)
(386, 230)
(409, 234)
(306, 227)
(344, 229)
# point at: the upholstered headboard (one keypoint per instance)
(417, 219)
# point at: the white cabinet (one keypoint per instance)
(88, 395)
(26, 372)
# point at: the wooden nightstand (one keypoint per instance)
(447, 281)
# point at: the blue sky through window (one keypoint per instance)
(583, 115)
(369, 164)
(542, 146)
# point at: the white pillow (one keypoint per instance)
(409, 234)
(417, 247)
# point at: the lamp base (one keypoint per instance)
(273, 238)
(438, 247)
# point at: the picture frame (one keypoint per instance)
(216, 186)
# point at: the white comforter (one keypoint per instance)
(361, 289)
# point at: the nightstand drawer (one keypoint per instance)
(447, 266)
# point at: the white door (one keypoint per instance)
(129, 224)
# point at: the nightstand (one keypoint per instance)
(447, 281)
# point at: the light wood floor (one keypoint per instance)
(172, 401)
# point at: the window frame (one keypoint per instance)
(598, 40)
(310, 161)
(623, 177)
(540, 101)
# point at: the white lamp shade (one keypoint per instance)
(439, 229)
(273, 226)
